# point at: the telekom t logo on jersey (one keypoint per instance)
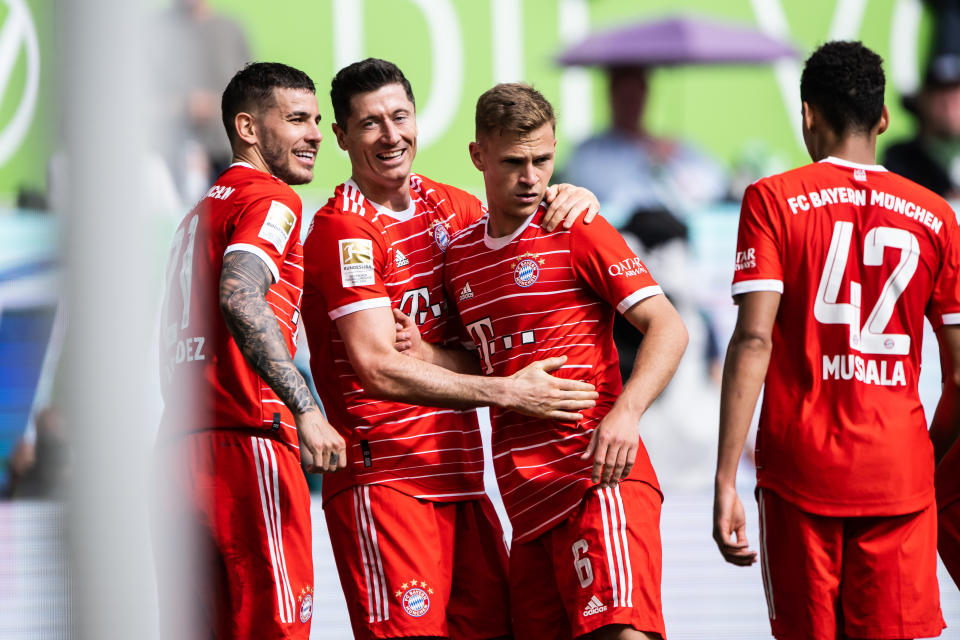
(416, 304)
(482, 333)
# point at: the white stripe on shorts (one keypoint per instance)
(626, 547)
(261, 461)
(376, 554)
(362, 543)
(288, 592)
(611, 569)
(376, 582)
(765, 559)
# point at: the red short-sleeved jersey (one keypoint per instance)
(207, 383)
(859, 255)
(534, 295)
(361, 256)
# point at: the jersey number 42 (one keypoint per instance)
(871, 337)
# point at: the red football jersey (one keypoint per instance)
(859, 254)
(534, 295)
(207, 383)
(362, 256)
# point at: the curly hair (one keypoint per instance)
(845, 81)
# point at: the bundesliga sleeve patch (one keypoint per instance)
(356, 262)
(278, 224)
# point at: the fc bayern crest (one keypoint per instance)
(526, 272)
(306, 607)
(441, 236)
(415, 602)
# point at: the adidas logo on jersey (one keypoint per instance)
(594, 607)
(466, 293)
(401, 260)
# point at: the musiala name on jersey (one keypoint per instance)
(865, 370)
(858, 197)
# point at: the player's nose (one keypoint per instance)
(390, 133)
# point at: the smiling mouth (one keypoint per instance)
(391, 155)
(308, 155)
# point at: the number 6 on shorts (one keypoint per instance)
(581, 563)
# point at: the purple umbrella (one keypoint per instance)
(677, 40)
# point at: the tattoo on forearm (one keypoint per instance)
(244, 283)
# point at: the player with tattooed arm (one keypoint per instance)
(238, 414)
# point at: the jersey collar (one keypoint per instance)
(500, 243)
(402, 216)
(853, 165)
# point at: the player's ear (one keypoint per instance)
(809, 119)
(341, 135)
(884, 121)
(476, 156)
(246, 127)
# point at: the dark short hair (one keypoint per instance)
(845, 81)
(363, 77)
(513, 108)
(250, 90)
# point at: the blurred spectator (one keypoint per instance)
(932, 158)
(40, 461)
(647, 187)
(629, 169)
(199, 53)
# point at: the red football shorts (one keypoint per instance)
(242, 499)
(412, 567)
(871, 577)
(948, 538)
(605, 561)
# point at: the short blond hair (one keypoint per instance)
(512, 108)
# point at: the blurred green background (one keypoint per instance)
(453, 50)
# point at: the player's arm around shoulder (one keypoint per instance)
(244, 281)
(615, 441)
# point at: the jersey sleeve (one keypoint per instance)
(944, 307)
(267, 227)
(346, 259)
(758, 266)
(604, 261)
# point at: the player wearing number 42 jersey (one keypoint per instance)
(585, 557)
(837, 263)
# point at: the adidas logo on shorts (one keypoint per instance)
(401, 260)
(594, 607)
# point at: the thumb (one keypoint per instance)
(550, 193)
